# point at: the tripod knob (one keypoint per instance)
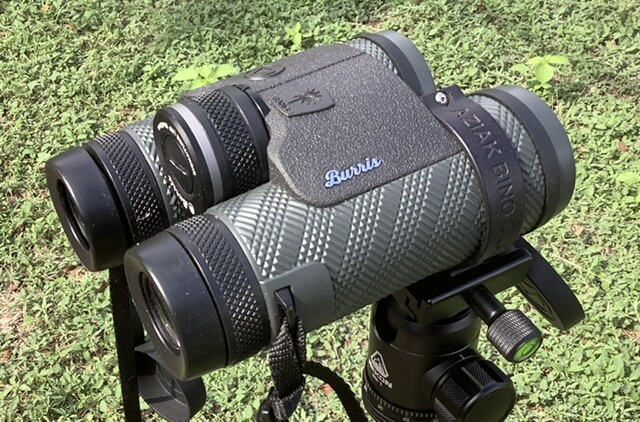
(510, 331)
(470, 390)
(514, 335)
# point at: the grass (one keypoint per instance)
(71, 70)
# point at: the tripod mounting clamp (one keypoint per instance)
(442, 295)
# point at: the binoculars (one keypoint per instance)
(344, 178)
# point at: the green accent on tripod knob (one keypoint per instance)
(527, 349)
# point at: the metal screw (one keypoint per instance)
(441, 98)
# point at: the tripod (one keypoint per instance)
(422, 363)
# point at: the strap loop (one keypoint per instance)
(288, 363)
(287, 357)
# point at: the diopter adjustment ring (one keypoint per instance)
(133, 182)
(142, 133)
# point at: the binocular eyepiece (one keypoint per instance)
(109, 194)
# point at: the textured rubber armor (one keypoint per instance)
(242, 298)
(384, 239)
(374, 244)
(240, 148)
(145, 206)
(144, 131)
(388, 237)
(231, 128)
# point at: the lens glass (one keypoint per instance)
(73, 217)
(159, 314)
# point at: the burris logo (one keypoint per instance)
(335, 177)
(379, 369)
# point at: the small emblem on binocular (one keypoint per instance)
(303, 100)
(335, 177)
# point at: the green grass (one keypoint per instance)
(70, 70)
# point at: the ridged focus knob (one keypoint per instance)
(514, 335)
(473, 390)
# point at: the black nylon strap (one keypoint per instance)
(287, 356)
(343, 391)
(288, 362)
(129, 334)
(495, 162)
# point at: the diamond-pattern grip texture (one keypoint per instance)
(242, 297)
(144, 138)
(374, 244)
(387, 238)
(145, 206)
(241, 149)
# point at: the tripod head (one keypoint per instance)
(422, 363)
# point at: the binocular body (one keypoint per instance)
(339, 174)
(369, 192)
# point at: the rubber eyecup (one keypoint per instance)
(87, 209)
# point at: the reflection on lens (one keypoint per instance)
(76, 222)
(159, 313)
